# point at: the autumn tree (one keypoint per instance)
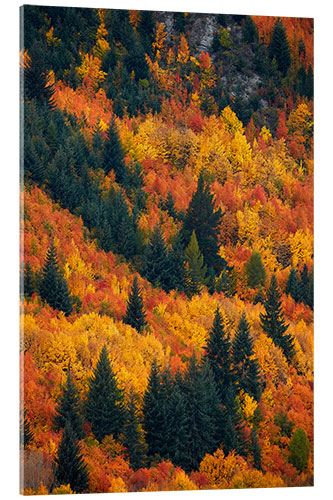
(195, 270)
(53, 287)
(104, 405)
(133, 435)
(69, 408)
(202, 218)
(245, 366)
(70, 467)
(135, 314)
(255, 271)
(272, 321)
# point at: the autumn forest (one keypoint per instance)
(166, 251)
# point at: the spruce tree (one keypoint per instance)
(293, 285)
(154, 422)
(70, 466)
(250, 31)
(26, 434)
(29, 285)
(306, 287)
(202, 218)
(233, 431)
(178, 422)
(33, 167)
(195, 270)
(104, 405)
(255, 271)
(113, 157)
(69, 408)
(279, 47)
(135, 314)
(218, 354)
(245, 367)
(53, 287)
(256, 450)
(36, 81)
(156, 266)
(272, 321)
(299, 449)
(134, 438)
(176, 258)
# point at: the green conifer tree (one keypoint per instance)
(293, 285)
(156, 266)
(36, 82)
(113, 157)
(279, 47)
(218, 354)
(68, 408)
(33, 167)
(245, 367)
(299, 449)
(195, 269)
(29, 283)
(202, 218)
(104, 405)
(272, 321)
(26, 434)
(233, 431)
(134, 438)
(255, 271)
(256, 450)
(176, 258)
(135, 314)
(178, 423)
(70, 466)
(53, 287)
(250, 31)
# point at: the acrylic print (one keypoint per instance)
(167, 251)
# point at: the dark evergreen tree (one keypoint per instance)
(32, 164)
(218, 354)
(256, 450)
(202, 218)
(26, 434)
(245, 367)
(178, 423)
(279, 47)
(70, 466)
(293, 285)
(169, 205)
(53, 287)
(195, 270)
(272, 321)
(113, 157)
(134, 438)
(154, 421)
(255, 271)
(306, 287)
(203, 411)
(36, 82)
(156, 266)
(250, 31)
(233, 430)
(29, 283)
(179, 21)
(104, 405)
(69, 408)
(135, 314)
(146, 30)
(176, 258)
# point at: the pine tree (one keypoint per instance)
(113, 157)
(279, 47)
(178, 422)
(33, 167)
(26, 434)
(155, 261)
(233, 431)
(134, 438)
(154, 422)
(306, 287)
(70, 466)
(36, 82)
(293, 285)
(202, 218)
(218, 354)
(272, 321)
(255, 271)
(53, 287)
(29, 284)
(135, 314)
(299, 449)
(104, 405)
(245, 367)
(69, 409)
(195, 270)
(250, 31)
(256, 450)
(176, 258)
